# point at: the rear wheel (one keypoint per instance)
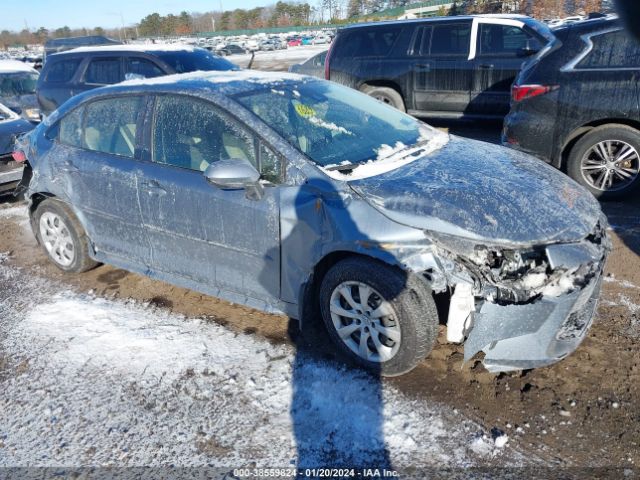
(378, 316)
(386, 95)
(62, 237)
(607, 161)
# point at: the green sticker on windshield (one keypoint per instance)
(304, 111)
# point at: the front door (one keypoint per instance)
(213, 237)
(442, 71)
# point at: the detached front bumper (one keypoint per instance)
(517, 337)
(10, 175)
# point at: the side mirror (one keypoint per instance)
(235, 174)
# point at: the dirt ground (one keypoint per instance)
(581, 412)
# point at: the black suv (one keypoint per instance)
(576, 106)
(447, 67)
(69, 73)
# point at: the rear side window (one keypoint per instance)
(613, 50)
(374, 42)
(70, 128)
(451, 39)
(63, 71)
(141, 67)
(110, 125)
(103, 71)
(502, 40)
(422, 41)
(193, 60)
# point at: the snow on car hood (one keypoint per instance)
(480, 191)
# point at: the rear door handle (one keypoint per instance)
(68, 166)
(153, 189)
(487, 66)
(423, 67)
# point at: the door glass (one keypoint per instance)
(71, 128)
(110, 125)
(451, 39)
(141, 67)
(270, 165)
(502, 40)
(63, 71)
(103, 71)
(190, 133)
(613, 50)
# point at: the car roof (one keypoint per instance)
(586, 26)
(149, 48)
(15, 66)
(455, 18)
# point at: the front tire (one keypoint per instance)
(607, 162)
(378, 316)
(62, 237)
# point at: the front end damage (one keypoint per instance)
(523, 307)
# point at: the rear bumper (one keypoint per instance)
(529, 134)
(11, 176)
(517, 337)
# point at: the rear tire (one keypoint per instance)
(398, 319)
(62, 237)
(592, 161)
(386, 95)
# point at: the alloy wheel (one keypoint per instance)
(365, 321)
(57, 239)
(610, 165)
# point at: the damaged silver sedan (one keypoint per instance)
(298, 196)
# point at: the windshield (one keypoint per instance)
(12, 84)
(198, 59)
(334, 125)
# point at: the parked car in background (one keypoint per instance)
(57, 45)
(294, 42)
(18, 89)
(452, 67)
(292, 194)
(321, 40)
(11, 127)
(313, 66)
(75, 71)
(232, 49)
(576, 107)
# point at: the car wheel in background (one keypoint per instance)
(378, 316)
(607, 161)
(62, 237)
(385, 95)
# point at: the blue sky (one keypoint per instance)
(106, 13)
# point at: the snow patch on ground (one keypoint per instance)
(12, 212)
(120, 383)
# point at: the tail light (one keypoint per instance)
(522, 92)
(19, 156)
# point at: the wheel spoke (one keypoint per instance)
(345, 291)
(390, 333)
(384, 310)
(346, 331)
(363, 349)
(338, 310)
(601, 152)
(382, 350)
(364, 292)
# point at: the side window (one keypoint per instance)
(191, 133)
(371, 42)
(270, 165)
(110, 125)
(613, 50)
(318, 60)
(63, 71)
(451, 39)
(138, 67)
(503, 40)
(422, 41)
(70, 128)
(103, 71)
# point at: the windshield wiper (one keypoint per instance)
(345, 166)
(350, 166)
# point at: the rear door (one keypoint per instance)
(96, 159)
(136, 67)
(442, 77)
(500, 51)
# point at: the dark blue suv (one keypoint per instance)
(72, 72)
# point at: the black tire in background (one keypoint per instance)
(580, 153)
(68, 223)
(386, 95)
(413, 309)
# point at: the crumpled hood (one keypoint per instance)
(481, 191)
